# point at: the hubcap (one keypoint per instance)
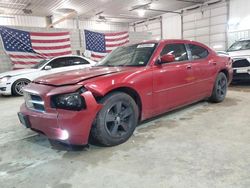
(118, 119)
(19, 87)
(222, 87)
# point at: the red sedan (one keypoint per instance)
(131, 84)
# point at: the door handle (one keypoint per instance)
(189, 67)
(212, 62)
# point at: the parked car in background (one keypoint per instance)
(240, 53)
(12, 82)
(131, 84)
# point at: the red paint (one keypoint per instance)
(161, 87)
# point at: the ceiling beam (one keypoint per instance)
(164, 11)
(192, 1)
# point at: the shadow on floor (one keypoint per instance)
(42, 140)
(240, 86)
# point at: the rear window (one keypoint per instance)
(198, 52)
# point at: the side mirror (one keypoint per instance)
(166, 58)
(47, 67)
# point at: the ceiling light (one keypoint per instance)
(141, 12)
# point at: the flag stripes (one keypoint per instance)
(28, 48)
(100, 44)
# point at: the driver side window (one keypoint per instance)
(58, 63)
(178, 50)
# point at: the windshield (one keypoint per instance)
(40, 64)
(240, 45)
(134, 55)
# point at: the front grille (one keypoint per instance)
(241, 77)
(240, 63)
(34, 102)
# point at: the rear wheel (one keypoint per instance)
(17, 87)
(116, 121)
(220, 88)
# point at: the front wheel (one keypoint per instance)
(116, 121)
(220, 88)
(17, 87)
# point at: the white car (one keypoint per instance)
(240, 53)
(12, 82)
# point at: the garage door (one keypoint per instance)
(153, 26)
(208, 25)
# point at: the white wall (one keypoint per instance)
(239, 15)
(24, 21)
(171, 26)
(91, 25)
(239, 20)
(151, 26)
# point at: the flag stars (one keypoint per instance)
(16, 40)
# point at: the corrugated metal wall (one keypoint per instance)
(171, 26)
(152, 26)
(207, 25)
(25, 21)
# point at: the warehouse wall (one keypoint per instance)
(207, 25)
(92, 25)
(152, 26)
(23, 21)
(171, 26)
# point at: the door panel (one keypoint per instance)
(204, 68)
(204, 71)
(172, 85)
(173, 82)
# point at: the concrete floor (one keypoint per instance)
(203, 145)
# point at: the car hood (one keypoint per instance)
(17, 72)
(75, 76)
(240, 54)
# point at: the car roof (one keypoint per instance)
(67, 56)
(169, 40)
(86, 58)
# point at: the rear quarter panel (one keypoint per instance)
(225, 63)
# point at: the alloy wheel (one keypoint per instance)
(222, 87)
(118, 119)
(19, 86)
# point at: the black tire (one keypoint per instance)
(220, 88)
(116, 121)
(17, 86)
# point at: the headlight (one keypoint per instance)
(4, 79)
(69, 101)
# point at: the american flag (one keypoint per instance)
(100, 44)
(28, 48)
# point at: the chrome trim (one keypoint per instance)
(36, 102)
(31, 103)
